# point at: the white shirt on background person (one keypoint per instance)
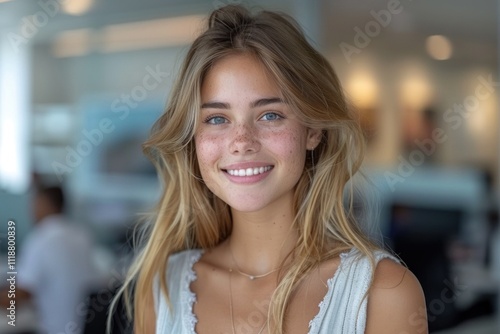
(55, 266)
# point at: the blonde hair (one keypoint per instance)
(189, 216)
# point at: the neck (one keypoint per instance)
(261, 240)
(42, 218)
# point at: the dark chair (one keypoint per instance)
(97, 315)
(420, 235)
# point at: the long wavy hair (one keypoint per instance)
(189, 216)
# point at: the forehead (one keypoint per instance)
(240, 74)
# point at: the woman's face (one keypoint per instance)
(250, 146)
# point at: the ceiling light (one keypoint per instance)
(363, 89)
(72, 43)
(439, 47)
(77, 7)
(173, 31)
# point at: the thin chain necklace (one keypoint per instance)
(251, 277)
(231, 304)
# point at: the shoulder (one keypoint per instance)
(181, 264)
(396, 301)
(179, 276)
(185, 257)
(179, 272)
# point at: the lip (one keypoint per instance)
(247, 179)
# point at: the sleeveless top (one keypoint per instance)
(342, 310)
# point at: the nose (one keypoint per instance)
(244, 140)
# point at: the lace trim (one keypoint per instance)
(316, 321)
(190, 319)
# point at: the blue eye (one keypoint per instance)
(216, 120)
(271, 116)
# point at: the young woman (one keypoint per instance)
(252, 234)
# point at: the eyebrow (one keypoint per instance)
(265, 102)
(258, 103)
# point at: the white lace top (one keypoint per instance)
(342, 310)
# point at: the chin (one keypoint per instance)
(246, 207)
(245, 204)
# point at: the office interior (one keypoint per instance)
(82, 81)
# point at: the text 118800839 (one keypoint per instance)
(11, 273)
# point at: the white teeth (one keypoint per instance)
(248, 171)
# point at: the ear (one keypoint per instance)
(313, 138)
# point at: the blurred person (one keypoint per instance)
(55, 270)
(424, 136)
(251, 234)
(427, 143)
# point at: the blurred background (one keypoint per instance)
(82, 81)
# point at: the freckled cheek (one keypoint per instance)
(208, 150)
(290, 145)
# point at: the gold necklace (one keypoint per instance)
(251, 277)
(231, 304)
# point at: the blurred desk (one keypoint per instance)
(485, 325)
(475, 280)
(476, 276)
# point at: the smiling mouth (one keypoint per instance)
(248, 171)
